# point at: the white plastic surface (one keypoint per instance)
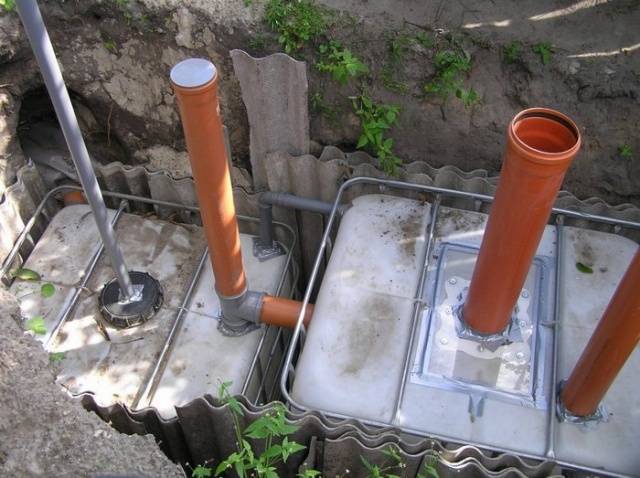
(116, 370)
(353, 355)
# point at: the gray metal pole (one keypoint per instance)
(43, 50)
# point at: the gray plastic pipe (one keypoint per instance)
(46, 58)
(268, 199)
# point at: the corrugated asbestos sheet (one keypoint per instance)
(203, 431)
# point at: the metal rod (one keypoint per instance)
(85, 280)
(551, 424)
(151, 384)
(417, 306)
(45, 56)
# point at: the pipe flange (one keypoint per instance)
(564, 415)
(124, 313)
(240, 315)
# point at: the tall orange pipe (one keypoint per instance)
(541, 143)
(195, 85)
(611, 344)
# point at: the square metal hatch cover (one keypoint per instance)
(513, 372)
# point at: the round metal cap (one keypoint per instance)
(123, 314)
(193, 72)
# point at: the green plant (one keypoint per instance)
(56, 357)
(511, 52)
(394, 466)
(469, 97)
(8, 5)
(248, 3)
(36, 325)
(375, 121)
(121, 3)
(625, 151)
(272, 428)
(258, 42)
(423, 40)
(585, 269)
(544, 50)
(318, 105)
(339, 62)
(110, 45)
(450, 67)
(296, 22)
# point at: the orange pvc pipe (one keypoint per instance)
(200, 113)
(541, 143)
(283, 312)
(611, 344)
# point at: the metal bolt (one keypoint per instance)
(523, 324)
(444, 341)
(520, 355)
(452, 281)
(525, 294)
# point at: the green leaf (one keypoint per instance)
(56, 357)
(26, 274)
(47, 290)
(36, 325)
(202, 472)
(585, 269)
(308, 474)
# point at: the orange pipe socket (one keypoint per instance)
(541, 143)
(195, 85)
(611, 344)
(283, 312)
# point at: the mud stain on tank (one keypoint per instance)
(370, 336)
(455, 220)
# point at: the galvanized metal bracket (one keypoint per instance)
(265, 252)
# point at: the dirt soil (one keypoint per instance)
(44, 433)
(116, 57)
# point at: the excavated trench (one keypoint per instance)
(117, 72)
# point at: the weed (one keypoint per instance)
(56, 357)
(423, 40)
(36, 325)
(248, 3)
(121, 3)
(272, 428)
(625, 151)
(450, 66)
(8, 5)
(469, 97)
(375, 121)
(258, 42)
(340, 62)
(320, 106)
(110, 45)
(511, 52)
(397, 47)
(296, 22)
(545, 50)
(394, 466)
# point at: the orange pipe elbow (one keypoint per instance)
(611, 344)
(195, 85)
(283, 312)
(541, 143)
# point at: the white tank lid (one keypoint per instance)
(193, 72)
